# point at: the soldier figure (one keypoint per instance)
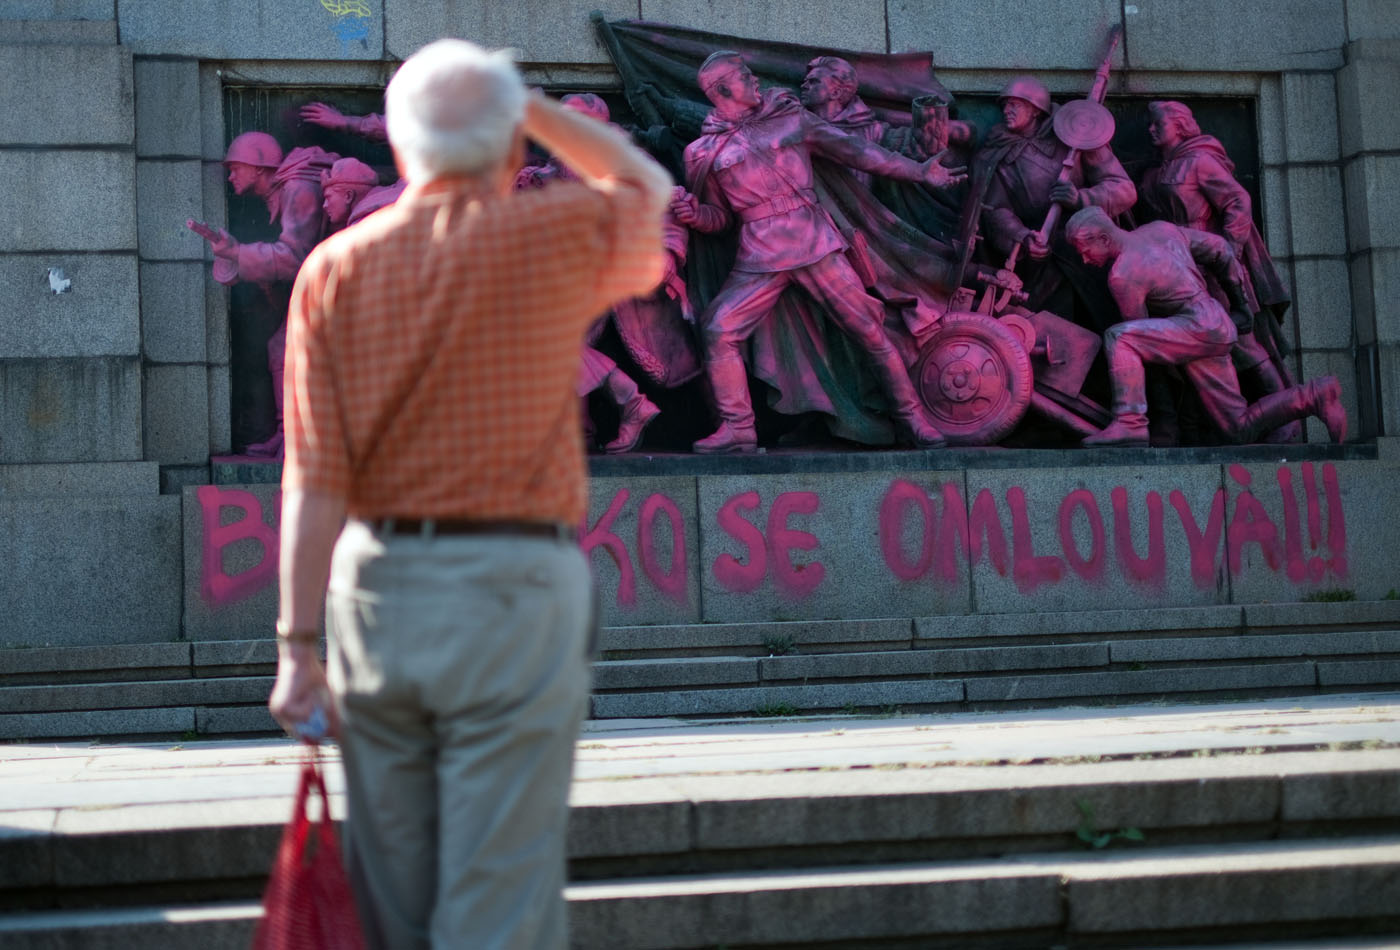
(351, 191)
(1170, 317)
(291, 189)
(1195, 187)
(1017, 179)
(753, 161)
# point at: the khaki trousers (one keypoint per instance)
(459, 665)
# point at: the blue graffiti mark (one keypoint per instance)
(351, 28)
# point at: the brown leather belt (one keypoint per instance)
(442, 527)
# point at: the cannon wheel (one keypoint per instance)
(974, 376)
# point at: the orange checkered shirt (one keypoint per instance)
(433, 349)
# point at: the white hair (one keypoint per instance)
(452, 109)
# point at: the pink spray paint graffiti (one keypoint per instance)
(219, 588)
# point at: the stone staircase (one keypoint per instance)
(218, 688)
(1196, 850)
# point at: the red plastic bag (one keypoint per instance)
(308, 904)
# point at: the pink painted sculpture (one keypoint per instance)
(753, 162)
(1170, 317)
(649, 327)
(290, 187)
(1195, 187)
(1024, 171)
(351, 192)
(329, 117)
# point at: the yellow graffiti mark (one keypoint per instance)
(347, 7)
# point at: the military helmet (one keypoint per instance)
(255, 148)
(1030, 89)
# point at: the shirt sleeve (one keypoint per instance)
(634, 256)
(317, 457)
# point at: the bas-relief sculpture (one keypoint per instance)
(831, 250)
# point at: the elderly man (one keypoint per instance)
(290, 187)
(1170, 317)
(1195, 187)
(1016, 178)
(753, 161)
(459, 601)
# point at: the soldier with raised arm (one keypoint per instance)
(753, 163)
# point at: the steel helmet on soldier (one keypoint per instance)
(1029, 89)
(255, 148)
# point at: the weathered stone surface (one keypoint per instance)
(97, 316)
(548, 31)
(177, 414)
(1082, 539)
(604, 830)
(223, 653)
(230, 573)
(1366, 90)
(853, 24)
(775, 699)
(1169, 649)
(217, 720)
(990, 659)
(61, 32)
(1314, 202)
(1260, 883)
(72, 201)
(70, 410)
(1310, 110)
(1371, 18)
(969, 35)
(87, 659)
(220, 411)
(774, 812)
(1271, 123)
(172, 311)
(1224, 616)
(65, 95)
(681, 671)
(1336, 796)
(1370, 218)
(135, 857)
(262, 29)
(152, 694)
(1322, 616)
(168, 194)
(770, 907)
(1141, 682)
(895, 663)
(85, 570)
(102, 722)
(1359, 672)
(26, 842)
(168, 117)
(749, 637)
(1323, 303)
(1273, 198)
(644, 549)
(820, 546)
(1287, 35)
(56, 10)
(90, 478)
(1382, 284)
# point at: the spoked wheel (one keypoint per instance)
(974, 376)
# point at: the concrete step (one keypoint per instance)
(1257, 890)
(70, 849)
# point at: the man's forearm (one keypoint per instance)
(596, 150)
(311, 523)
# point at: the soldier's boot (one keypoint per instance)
(914, 424)
(637, 412)
(1317, 397)
(1128, 428)
(1270, 381)
(729, 380)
